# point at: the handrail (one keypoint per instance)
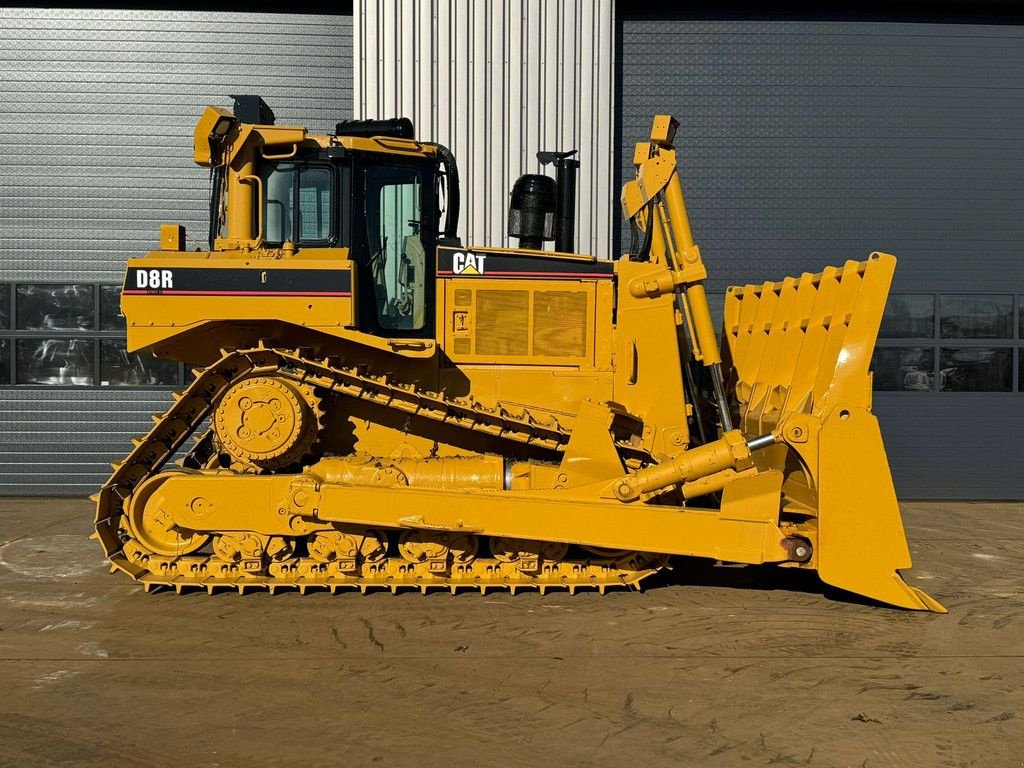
(285, 156)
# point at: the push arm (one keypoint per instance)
(655, 198)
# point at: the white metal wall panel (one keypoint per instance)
(496, 81)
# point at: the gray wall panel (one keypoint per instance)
(61, 442)
(97, 109)
(954, 446)
(808, 143)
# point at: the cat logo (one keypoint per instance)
(468, 263)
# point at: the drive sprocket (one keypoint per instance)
(267, 423)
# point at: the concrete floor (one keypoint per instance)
(736, 672)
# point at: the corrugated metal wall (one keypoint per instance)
(812, 142)
(496, 81)
(815, 140)
(97, 109)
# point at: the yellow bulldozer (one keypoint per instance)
(377, 405)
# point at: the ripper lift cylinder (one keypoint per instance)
(684, 250)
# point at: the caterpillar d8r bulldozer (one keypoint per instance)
(378, 406)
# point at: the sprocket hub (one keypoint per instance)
(267, 423)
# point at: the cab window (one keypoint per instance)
(397, 256)
(298, 203)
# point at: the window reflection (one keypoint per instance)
(278, 180)
(288, 184)
(908, 316)
(55, 307)
(314, 204)
(120, 367)
(5, 306)
(5, 362)
(976, 369)
(55, 361)
(977, 317)
(899, 369)
(110, 308)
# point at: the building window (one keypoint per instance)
(977, 317)
(55, 307)
(72, 334)
(55, 361)
(904, 369)
(118, 366)
(915, 353)
(5, 362)
(909, 316)
(5, 307)
(110, 308)
(976, 369)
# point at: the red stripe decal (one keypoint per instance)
(530, 274)
(160, 292)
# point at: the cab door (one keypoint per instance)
(394, 236)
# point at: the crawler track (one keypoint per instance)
(479, 565)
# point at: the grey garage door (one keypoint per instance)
(807, 143)
(97, 109)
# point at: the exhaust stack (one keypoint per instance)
(565, 204)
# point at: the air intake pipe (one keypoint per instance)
(544, 209)
(395, 127)
(531, 211)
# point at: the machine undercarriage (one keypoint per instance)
(268, 407)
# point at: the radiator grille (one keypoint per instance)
(461, 346)
(463, 297)
(502, 322)
(560, 323)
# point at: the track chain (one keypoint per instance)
(195, 403)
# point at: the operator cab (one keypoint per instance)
(369, 188)
(383, 208)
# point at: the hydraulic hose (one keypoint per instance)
(451, 173)
(216, 208)
(640, 249)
